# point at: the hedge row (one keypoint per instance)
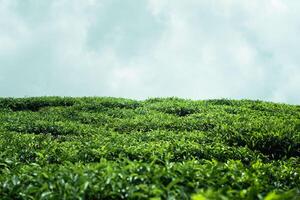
(160, 148)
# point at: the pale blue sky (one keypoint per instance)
(196, 49)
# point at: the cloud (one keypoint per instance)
(236, 49)
(139, 49)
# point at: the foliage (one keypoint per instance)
(160, 148)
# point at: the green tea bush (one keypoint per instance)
(159, 148)
(34, 103)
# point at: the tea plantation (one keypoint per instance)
(160, 148)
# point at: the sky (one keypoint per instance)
(194, 49)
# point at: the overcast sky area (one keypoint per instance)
(196, 49)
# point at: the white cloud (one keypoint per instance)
(192, 49)
(244, 46)
(278, 6)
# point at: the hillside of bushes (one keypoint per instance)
(159, 148)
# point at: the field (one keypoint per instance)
(160, 148)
